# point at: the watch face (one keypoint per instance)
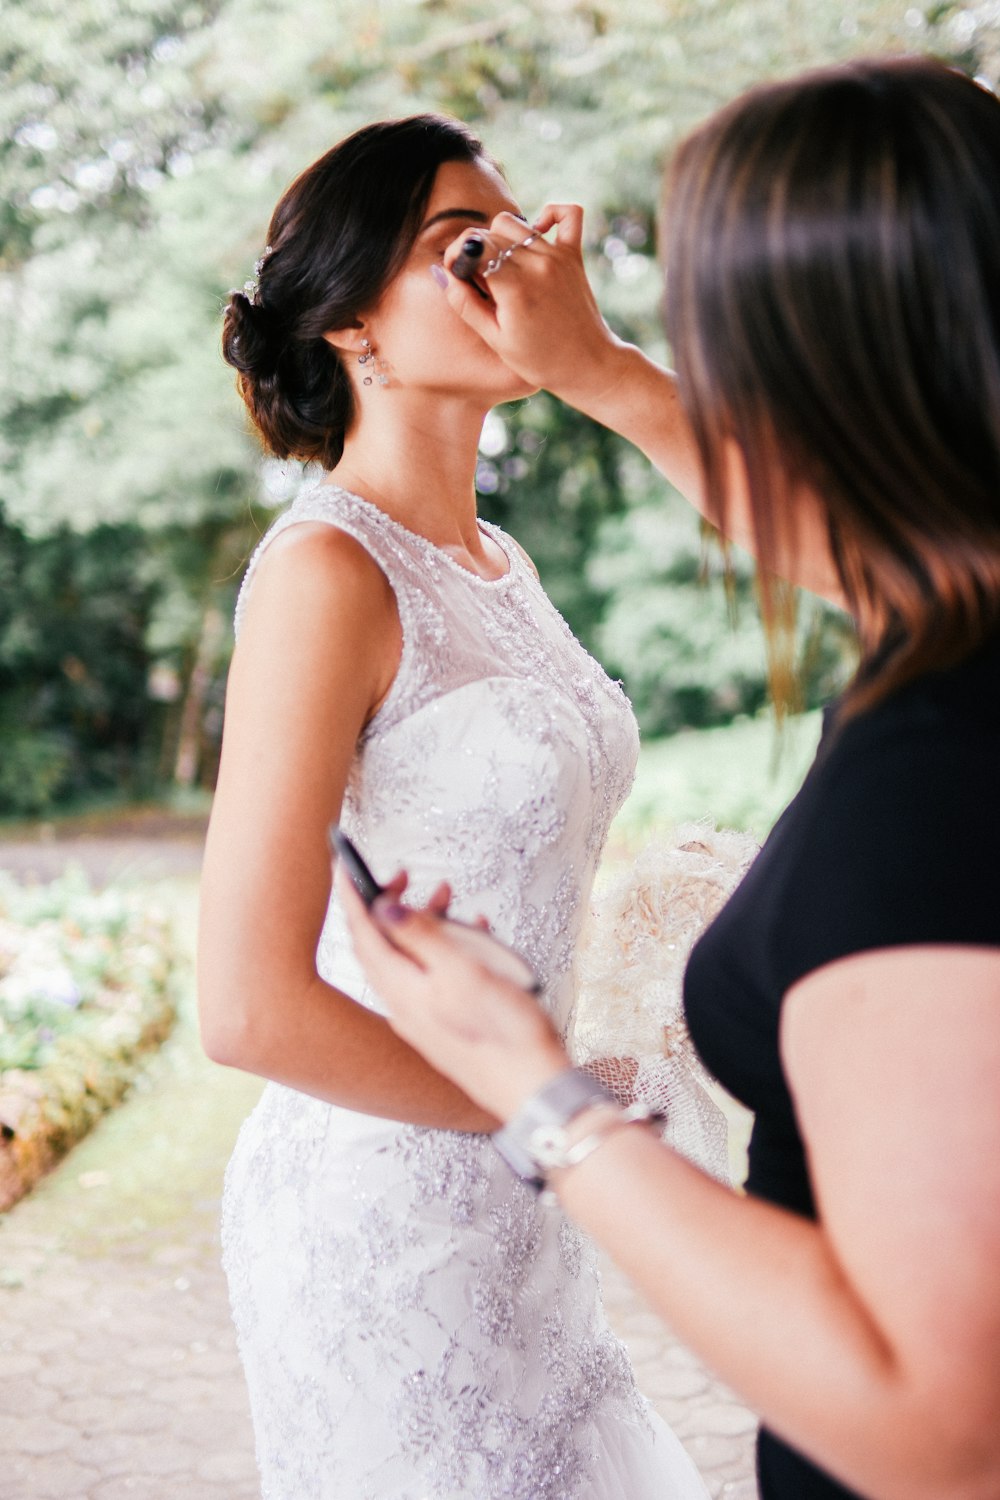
(547, 1145)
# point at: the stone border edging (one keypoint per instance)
(45, 1111)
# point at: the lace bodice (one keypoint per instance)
(498, 758)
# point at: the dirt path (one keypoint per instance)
(140, 846)
(117, 1361)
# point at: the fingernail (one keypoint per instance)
(440, 276)
(392, 912)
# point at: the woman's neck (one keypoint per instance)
(417, 462)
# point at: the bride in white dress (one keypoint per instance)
(415, 1324)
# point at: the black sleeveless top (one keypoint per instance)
(894, 839)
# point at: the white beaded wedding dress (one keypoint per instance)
(413, 1322)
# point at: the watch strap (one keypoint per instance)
(549, 1110)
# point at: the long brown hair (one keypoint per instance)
(833, 303)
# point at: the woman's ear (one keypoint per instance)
(346, 340)
(353, 344)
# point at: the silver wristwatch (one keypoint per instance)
(534, 1141)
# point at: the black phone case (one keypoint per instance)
(364, 881)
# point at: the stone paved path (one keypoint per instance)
(118, 1370)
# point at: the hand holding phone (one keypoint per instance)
(479, 944)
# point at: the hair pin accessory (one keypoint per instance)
(251, 287)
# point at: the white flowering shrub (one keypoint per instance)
(75, 961)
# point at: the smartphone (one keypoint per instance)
(480, 945)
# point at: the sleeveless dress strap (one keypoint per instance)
(413, 568)
(349, 513)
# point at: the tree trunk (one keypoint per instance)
(189, 739)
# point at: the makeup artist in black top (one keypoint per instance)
(833, 305)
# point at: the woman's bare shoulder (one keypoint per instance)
(318, 567)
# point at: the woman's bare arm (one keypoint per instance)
(317, 651)
(869, 1340)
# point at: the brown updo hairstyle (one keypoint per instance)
(338, 236)
(833, 303)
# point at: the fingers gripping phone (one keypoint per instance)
(479, 944)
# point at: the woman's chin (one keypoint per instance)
(499, 383)
(512, 389)
(521, 394)
(486, 394)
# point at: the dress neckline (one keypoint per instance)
(485, 529)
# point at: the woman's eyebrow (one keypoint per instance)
(476, 214)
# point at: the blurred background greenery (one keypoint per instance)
(143, 145)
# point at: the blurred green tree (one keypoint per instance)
(143, 145)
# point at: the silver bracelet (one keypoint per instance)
(550, 1149)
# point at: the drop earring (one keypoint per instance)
(372, 363)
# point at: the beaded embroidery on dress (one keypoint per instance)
(414, 1324)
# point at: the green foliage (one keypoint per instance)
(683, 629)
(550, 477)
(74, 612)
(143, 145)
(35, 771)
(101, 103)
(740, 776)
